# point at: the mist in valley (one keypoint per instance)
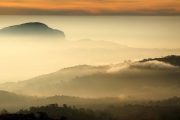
(46, 66)
(24, 58)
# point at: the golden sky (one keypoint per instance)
(95, 7)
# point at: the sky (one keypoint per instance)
(90, 7)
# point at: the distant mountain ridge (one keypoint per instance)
(14, 102)
(11, 97)
(32, 28)
(171, 59)
(137, 79)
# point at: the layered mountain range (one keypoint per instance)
(146, 79)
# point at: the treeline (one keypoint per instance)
(161, 110)
(55, 112)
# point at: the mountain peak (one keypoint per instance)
(33, 29)
(35, 24)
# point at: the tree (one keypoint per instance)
(4, 112)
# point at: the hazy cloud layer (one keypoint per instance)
(52, 54)
(149, 80)
(90, 7)
(35, 11)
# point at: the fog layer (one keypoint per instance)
(149, 80)
(25, 58)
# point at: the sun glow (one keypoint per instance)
(93, 6)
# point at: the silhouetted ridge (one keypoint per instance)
(171, 59)
(32, 28)
(139, 111)
(6, 97)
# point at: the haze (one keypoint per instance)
(89, 40)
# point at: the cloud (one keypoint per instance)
(150, 65)
(89, 7)
(35, 11)
(150, 80)
(153, 65)
(29, 11)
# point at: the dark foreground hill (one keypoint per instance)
(13, 102)
(31, 29)
(141, 111)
